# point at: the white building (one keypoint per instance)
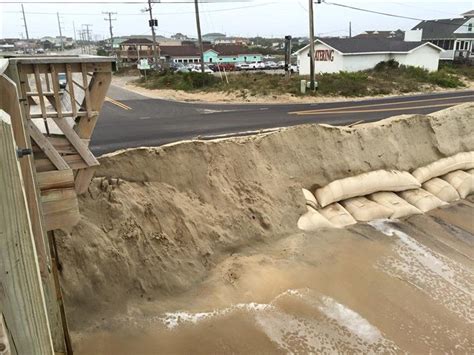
(454, 35)
(333, 55)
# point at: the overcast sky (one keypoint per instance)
(270, 18)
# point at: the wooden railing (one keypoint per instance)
(54, 105)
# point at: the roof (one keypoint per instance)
(369, 45)
(441, 29)
(137, 41)
(469, 13)
(381, 34)
(180, 51)
(193, 51)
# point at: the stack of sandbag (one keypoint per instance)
(312, 220)
(422, 199)
(460, 161)
(337, 215)
(462, 181)
(365, 184)
(365, 210)
(441, 189)
(400, 208)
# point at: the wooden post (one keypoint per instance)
(22, 300)
(9, 102)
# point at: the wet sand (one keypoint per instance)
(383, 287)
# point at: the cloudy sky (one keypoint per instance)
(270, 18)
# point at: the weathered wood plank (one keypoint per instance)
(9, 101)
(4, 336)
(76, 142)
(39, 89)
(87, 96)
(22, 299)
(83, 179)
(58, 179)
(70, 84)
(99, 85)
(57, 203)
(46, 147)
(57, 100)
(74, 161)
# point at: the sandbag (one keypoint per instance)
(310, 199)
(398, 205)
(422, 199)
(364, 210)
(441, 189)
(313, 220)
(364, 184)
(461, 181)
(460, 161)
(337, 215)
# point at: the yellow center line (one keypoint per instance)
(373, 110)
(118, 103)
(375, 104)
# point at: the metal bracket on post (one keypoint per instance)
(21, 152)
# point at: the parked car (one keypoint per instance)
(197, 69)
(222, 67)
(281, 64)
(294, 68)
(257, 65)
(242, 66)
(271, 65)
(62, 80)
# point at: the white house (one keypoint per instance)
(333, 55)
(454, 35)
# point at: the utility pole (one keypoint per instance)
(152, 23)
(60, 33)
(198, 24)
(350, 29)
(87, 37)
(311, 45)
(110, 19)
(74, 29)
(24, 21)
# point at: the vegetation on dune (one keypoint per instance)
(386, 78)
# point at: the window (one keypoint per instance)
(469, 27)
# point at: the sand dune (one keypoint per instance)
(205, 233)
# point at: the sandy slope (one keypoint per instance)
(201, 226)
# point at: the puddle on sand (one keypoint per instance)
(442, 279)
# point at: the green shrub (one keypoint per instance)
(387, 65)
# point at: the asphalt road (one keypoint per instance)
(131, 120)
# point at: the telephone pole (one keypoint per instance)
(110, 19)
(87, 37)
(152, 23)
(74, 29)
(60, 33)
(198, 24)
(350, 29)
(24, 21)
(311, 45)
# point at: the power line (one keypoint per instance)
(388, 14)
(110, 2)
(141, 14)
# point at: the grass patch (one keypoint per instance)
(386, 78)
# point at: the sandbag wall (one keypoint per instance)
(389, 194)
